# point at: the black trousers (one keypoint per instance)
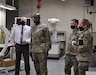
(22, 49)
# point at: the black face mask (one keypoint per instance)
(37, 22)
(81, 28)
(72, 27)
(22, 22)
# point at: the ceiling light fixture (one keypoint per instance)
(63, 0)
(5, 6)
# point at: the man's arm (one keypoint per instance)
(47, 39)
(12, 34)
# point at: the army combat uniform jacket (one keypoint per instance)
(73, 39)
(85, 46)
(41, 40)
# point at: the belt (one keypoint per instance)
(22, 44)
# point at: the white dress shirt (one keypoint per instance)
(16, 34)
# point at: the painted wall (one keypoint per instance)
(65, 11)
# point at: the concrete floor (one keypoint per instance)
(55, 67)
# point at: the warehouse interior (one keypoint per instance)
(62, 11)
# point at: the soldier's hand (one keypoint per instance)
(46, 52)
(67, 52)
(73, 43)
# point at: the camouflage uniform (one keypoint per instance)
(41, 44)
(70, 58)
(84, 51)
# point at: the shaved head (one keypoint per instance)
(37, 15)
(24, 19)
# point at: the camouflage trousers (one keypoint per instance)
(40, 63)
(82, 67)
(70, 60)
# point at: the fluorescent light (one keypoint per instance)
(62, 0)
(5, 6)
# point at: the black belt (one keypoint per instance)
(22, 44)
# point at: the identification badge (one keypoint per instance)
(80, 42)
(38, 29)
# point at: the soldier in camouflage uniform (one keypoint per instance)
(41, 44)
(85, 47)
(70, 57)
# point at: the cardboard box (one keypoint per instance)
(7, 62)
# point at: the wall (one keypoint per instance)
(7, 17)
(25, 7)
(91, 17)
(65, 11)
(10, 15)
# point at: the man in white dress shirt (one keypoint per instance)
(20, 36)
